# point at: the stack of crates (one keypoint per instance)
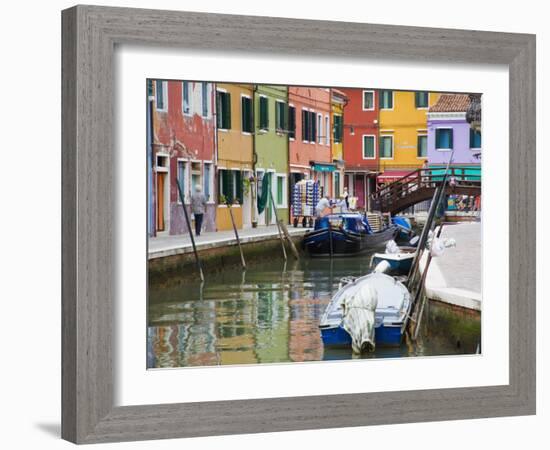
(305, 196)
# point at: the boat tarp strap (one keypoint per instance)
(358, 317)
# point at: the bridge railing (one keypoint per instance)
(424, 179)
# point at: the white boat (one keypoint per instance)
(390, 317)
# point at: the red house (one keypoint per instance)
(309, 136)
(183, 151)
(361, 143)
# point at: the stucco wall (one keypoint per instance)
(461, 143)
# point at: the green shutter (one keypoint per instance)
(239, 183)
(313, 126)
(219, 110)
(304, 125)
(280, 190)
(228, 110)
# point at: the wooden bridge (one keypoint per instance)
(420, 185)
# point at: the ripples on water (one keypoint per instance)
(269, 314)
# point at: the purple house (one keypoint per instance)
(448, 129)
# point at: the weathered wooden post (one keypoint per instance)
(188, 222)
(278, 225)
(243, 263)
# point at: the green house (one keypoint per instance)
(271, 149)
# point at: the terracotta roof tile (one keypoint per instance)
(451, 103)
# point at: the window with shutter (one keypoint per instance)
(205, 99)
(444, 139)
(246, 114)
(312, 127)
(421, 99)
(368, 147)
(292, 122)
(386, 146)
(305, 128)
(280, 190)
(160, 87)
(422, 146)
(368, 100)
(475, 138)
(264, 116)
(386, 99)
(186, 101)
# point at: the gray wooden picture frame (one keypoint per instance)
(90, 34)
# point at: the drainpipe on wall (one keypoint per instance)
(215, 171)
(254, 186)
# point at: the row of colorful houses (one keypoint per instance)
(239, 141)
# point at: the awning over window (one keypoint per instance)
(319, 167)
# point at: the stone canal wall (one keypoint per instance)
(179, 261)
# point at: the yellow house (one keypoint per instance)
(338, 101)
(234, 120)
(403, 142)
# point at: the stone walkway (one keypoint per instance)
(162, 246)
(455, 277)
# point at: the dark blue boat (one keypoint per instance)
(345, 234)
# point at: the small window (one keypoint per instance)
(337, 132)
(280, 190)
(369, 151)
(312, 127)
(475, 138)
(264, 114)
(207, 180)
(186, 98)
(292, 122)
(421, 99)
(161, 95)
(205, 99)
(386, 99)
(223, 106)
(444, 139)
(280, 116)
(182, 178)
(327, 130)
(320, 128)
(305, 125)
(422, 146)
(368, 100)
(246, 114)
(386, 146)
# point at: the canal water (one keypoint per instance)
(271, 313)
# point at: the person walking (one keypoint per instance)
(198, 206)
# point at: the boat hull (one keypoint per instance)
(337, 242)
(397, 266)
(384, 336)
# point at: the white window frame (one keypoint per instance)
(373, 100)
(208, 99)
(392, 146)
(420, 108)
(187, 164)
(281, 130)
(363, 146)
(164, 95)
(210, 181)
(392, 100)
(327, 130)
(263, 130)
(190, 86)
(285, 187)
(435, 137)
(291, 105)
(419, 134)
(246, 133)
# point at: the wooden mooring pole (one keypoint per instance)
(293, 248)
(236, 234)
(188, 222)
(278, 224)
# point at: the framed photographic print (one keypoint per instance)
(266, 230)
